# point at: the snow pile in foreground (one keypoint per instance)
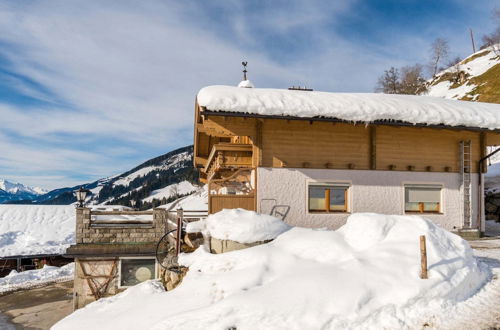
(364, 275)
(356, 107)
(36, 229)
(33, 278)
(240, 225)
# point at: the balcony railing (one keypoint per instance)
(228, 156)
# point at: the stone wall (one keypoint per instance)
(86, 232)
(101, 274)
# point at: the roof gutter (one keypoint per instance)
(337, 120)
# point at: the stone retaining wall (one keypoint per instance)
(144, 233)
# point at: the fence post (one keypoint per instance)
(180, 216)
(423, 258)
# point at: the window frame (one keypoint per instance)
(120, 286)
(340, 184)
(421, 209)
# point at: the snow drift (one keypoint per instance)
(240, 225)
(364, 275)
(36, 229)
(36, 277)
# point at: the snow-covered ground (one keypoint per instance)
(240, 225)
(36, 229)
(34, 278)
(365, 275)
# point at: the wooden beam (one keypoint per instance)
(483, 150)
(327, 200)
(257, 145)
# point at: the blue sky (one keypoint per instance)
(89, 89)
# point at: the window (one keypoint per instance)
(423, 198)
(135, 270)
(328, 197)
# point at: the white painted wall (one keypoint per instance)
(370, 191)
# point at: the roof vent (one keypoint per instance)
(298, 88)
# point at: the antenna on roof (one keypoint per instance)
(244, 70)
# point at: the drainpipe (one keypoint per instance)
(480, 191)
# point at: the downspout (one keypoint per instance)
(480, 191)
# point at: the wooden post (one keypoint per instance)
(327, 200)
(423, 258)
(180, 216)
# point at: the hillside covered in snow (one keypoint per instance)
(476, 78)
(155, 182)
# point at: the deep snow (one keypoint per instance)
(36, 229)
(364, 275)
(240, 225)
(355, 107)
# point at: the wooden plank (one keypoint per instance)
(373, 147)
(219, 202)
(483, 150)
(121, 212)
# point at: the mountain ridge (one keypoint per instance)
(141, 183)
(14, 191)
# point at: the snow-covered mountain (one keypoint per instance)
(476, 78)
(157, 181)
(10, 191)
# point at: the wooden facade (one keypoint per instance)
(323, 144)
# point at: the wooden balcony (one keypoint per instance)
(228, 156)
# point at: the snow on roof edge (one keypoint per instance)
(351, 107)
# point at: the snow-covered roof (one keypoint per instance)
(36, 229)
(354, 107)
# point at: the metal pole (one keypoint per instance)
(472, 39)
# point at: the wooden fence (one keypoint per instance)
(218, 202)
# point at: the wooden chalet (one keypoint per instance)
(313, 158)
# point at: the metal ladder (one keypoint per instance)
(465, 170)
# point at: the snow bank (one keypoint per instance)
(33, 278)
(36, 229)
(240, 225)
(364, 275)
(356, 107)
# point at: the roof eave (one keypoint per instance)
(327, 119)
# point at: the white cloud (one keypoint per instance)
(129, 71)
